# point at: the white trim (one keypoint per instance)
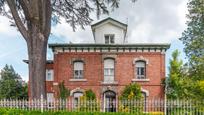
(55, 83)
(141, 80)
(106, 83)
(77, 79)
(141, 58)
(78, 89)
(145, 91)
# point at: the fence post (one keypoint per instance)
(41, 102)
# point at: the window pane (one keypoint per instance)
(106, 71)
(49, 75)
(112, 40)
(108, 63)
(106, 39)
(78, 70)
(78, 65)
(142, 71)
(111, 71)
(140, 64)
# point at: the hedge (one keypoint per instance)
(7, 111)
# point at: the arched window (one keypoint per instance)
(78, 70)
(108, 70)
(140, 70)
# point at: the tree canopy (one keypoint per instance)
(193, 38)
(11, 86)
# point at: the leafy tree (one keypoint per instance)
(193, 39)
(33, 20)
(132, 91)
(63, 91)
(199, 90)
(10, 86)
(178, 83)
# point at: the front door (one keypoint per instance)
(110, 101)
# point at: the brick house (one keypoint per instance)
(107, 65)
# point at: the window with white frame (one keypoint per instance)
(140, 70)
(78, 70)
(49, 75)
(109, 70)
(77, 96)
(109, 39)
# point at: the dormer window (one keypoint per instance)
(109, 39)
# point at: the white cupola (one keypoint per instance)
(109, 31)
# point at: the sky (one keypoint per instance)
(149, 21)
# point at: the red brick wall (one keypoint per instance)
(124, 71)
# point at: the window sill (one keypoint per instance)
(142, 80)
(107, 83)
(77, 79)
(49, 80)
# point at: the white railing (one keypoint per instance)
(154, 106)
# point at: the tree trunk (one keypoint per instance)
(37, 48)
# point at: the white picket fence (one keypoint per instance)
(154, 106)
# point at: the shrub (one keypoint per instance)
(132, 91)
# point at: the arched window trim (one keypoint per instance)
(76, 90)
(77, 60)
(109, 58)
(141, 58)
(145, 91)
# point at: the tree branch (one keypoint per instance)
(47, 20)
(17, 19)
(26, 8)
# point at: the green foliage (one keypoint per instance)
(4, 111)
(178, 84)
(132, 91)
(193, 39)
(90, 95)
(199, 89)
(10, 86)
(63, 91)
(88, 102)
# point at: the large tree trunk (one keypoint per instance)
(35, 27)
(37, 48)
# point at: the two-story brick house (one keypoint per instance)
(107, 65)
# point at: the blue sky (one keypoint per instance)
(155, 21)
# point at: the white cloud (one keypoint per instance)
(148, 21)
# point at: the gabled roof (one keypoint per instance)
(113, 22)
(109, 19)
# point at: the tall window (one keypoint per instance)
(140, 70)
(108, 70)
(109, 39)
(49, 75)
(78, 70)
